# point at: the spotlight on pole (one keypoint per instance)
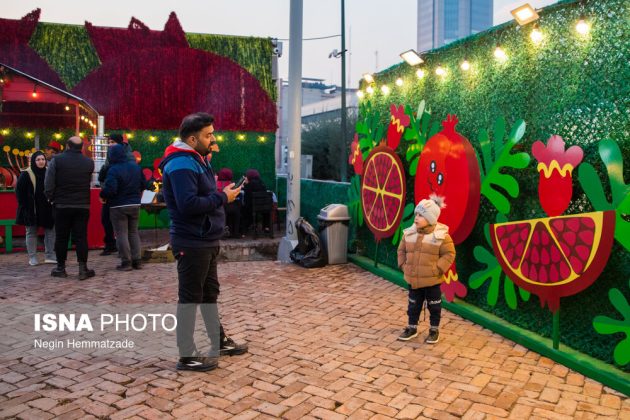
(412, 57)
(524, 14)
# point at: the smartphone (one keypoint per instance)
(240, 182)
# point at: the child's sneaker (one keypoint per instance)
(433, 337)
(408, 333)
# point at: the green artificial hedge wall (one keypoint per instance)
(255, 150)
(314, 195)
(67, 49)
(570, 85)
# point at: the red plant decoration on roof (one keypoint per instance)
(152, 79)
(15, 51)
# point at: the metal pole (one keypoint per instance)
(295, 127)
(77, 120)
(556, 330)
(344, 144)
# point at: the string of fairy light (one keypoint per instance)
(240, 137)
(523, 15)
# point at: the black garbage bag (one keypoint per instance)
(309, 252)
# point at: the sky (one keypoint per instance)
(377, 31)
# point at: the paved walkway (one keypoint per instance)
(322, 345)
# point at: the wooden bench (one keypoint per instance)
(8, 234)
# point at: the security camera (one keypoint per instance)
(333, 53)
(277, 49)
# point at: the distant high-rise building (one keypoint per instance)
(444, 21)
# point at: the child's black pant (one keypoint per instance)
(433, 296)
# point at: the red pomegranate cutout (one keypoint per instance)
(448, 167)
(383, 191)
(554, 257)
(181, 80)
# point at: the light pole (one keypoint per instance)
(295, 124)
(344, 157)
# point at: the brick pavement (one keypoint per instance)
(322, 345)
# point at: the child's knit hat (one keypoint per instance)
(430, 209)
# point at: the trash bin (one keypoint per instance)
(333, 226)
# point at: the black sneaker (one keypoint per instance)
(408, 333)
(136, 264)
(230, 348)
(433, 337)
(197, 363)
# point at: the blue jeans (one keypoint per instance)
(49, 242)
(433, 296)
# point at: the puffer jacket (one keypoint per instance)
(425, 255)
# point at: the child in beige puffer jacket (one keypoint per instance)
(425, 252)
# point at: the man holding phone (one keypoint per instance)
(197, 214)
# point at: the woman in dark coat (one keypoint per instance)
(34, 210)
(233, 209)
(253, 184)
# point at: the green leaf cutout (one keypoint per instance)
(495, 275)
(606, 325)
(620, 191)
(354, 201)
(416, 133)
(369, 128)
(496, 154)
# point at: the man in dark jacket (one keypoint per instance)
(122, 191)
(109, 239)
(197, 215)
(67, 187)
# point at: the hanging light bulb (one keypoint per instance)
(67, 108)
(399, 82)
(582, 27)
(465, 65)
(420, 73)
(34, 94)
(385, 89)
(369, 90)
(536, 35)
(440, 71)
(360, 94)
(499, 53)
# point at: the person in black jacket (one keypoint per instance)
(109, 239)
(122, 191)
(196, 210)
(67, 187)
(34, 210)
(254, 184)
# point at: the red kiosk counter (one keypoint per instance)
(8, 208)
